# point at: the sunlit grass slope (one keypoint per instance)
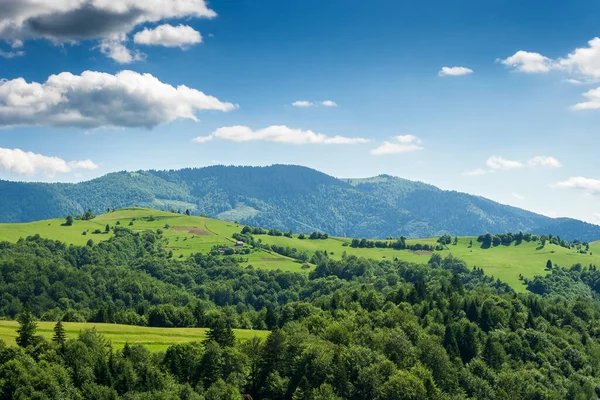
(155, 339)
(188, 234)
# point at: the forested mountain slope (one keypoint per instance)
(289, 197)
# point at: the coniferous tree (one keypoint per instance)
(27, 327)
(60, 336)
(221, 333)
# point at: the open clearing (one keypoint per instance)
(188, 234)
(155, 339)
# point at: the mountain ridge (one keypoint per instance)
(289, 197)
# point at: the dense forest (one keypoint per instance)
(288, 197)
(349, 329)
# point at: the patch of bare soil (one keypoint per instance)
(423, 253)
(192, 230)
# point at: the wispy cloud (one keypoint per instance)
(302, 103)
(581, 183)
(455, 71)
(278, 134)
(497, 163)
(399, 144)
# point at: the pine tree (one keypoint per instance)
(548, 264)
(60, 336)
(27, 327)
(107, 229)
(221, 333)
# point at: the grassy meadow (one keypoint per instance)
(155, 339)
(189, 234)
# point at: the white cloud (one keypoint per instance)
(524, 61)
(64, 21)
(499, 163)
(70, 21)
(302, 103)
(11, 54)
(167, 35)
(455, 71)
(202, 139)
(584, 61)
(518, 196)
(545, 162)
(279, 134)
(574, 81)
(476, 172)
(28, 163)
(399, 144)
(592, 185)
(120, 53)
(592, 103)
(94, 100)
(329, 103)
(496, 163)
(583, 64)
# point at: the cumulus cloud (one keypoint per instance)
(302, 103)
(592, 103)
(70, 21)
(579, 182)
(583, 64)
(528, 62)
(455, 71)
(27, 163)
(278, 134)
(119, 52)
(399, 144)
(181, 36)
(584, 61)
(95, 100)
(65, 21)
(329, 103)
(497, 163)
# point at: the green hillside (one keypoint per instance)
(155, 339)
(288, 197)
(185, 235)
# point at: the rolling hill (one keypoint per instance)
(288, 197)
(185, 235)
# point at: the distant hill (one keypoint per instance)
(289, 197)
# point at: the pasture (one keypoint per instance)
(185, 235)
(154, 339)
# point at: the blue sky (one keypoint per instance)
(515, 126)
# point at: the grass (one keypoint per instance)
(187, 235)
(155, 339)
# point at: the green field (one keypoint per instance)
(188, 234)
(154, 339)
(185, 236)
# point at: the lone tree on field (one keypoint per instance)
(69, 220)
(107, 229)
(221, 333)
(27, 327)
(60, 336)
(548, 264)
